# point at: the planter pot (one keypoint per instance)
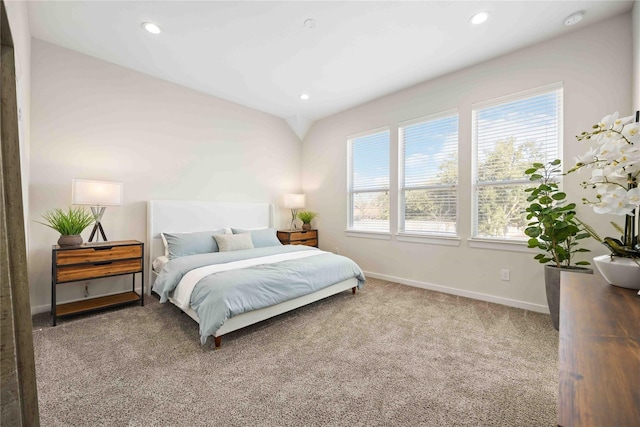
(552, 288)
(70, 240)
(306, 227)
(619, 271)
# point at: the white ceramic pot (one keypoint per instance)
(619, 271)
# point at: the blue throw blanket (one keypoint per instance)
(226, 294)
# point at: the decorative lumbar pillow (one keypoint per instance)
(233, 242)
(183, 244)
(261, 238)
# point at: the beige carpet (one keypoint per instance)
(391, 355)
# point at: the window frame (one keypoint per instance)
(413, 235)
(497, 242)
(361, 232)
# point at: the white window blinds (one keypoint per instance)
(509, 135)
(369, 182)
(429, 174)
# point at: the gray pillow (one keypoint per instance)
(261, 238)
(199, 242)
(233, 242)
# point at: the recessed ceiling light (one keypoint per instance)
(151, 27)
(304, 96)
(310, 23)
(574, 18)
(479, 18)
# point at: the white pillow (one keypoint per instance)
(233, 242)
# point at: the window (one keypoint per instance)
(429, 174)
(369, 181)
(508, 136)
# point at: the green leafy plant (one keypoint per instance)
(553, 226)
(68, 223)
(307, 216)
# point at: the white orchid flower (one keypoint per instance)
(608, 121)
(614, 159)
(614, 202)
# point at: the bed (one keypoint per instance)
(225, 289)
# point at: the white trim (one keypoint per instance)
(423, 119)
(369, 132)
(460, 292)
(432, 239)
(540, 90)
(368, 234)
(500, 245)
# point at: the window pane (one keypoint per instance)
(429, 171)
(369, 182)
(511, 136)
(433, 210)
(370, 162)
(508, 137)
(429, 152)
(500, 211)
(371, 211)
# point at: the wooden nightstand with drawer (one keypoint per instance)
(298, 237)
(96, 261)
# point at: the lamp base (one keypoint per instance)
(97, 227)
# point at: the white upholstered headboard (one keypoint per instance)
(183, 216)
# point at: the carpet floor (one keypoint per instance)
(391, 355)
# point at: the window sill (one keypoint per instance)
(368, 234)
(501, 245)
(433, 239)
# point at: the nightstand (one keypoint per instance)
(298, 237)
(96, 261)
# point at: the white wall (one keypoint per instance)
(594, 64)
(95, 120)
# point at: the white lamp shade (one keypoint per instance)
(293, 201)
(96, 193)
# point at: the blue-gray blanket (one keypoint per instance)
(226, 294)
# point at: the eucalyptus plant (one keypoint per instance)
(68, 223)
(553, 227)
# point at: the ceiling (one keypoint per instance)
(261, 55)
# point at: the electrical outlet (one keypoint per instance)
(336, 251)
(504, 275)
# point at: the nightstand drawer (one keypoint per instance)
(311, 242)
(302, 235)
(98, 269)
(97, 254)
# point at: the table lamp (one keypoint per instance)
(293, 202)
(99, 195)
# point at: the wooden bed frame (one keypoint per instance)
(187, 216)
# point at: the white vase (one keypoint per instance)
(619, 271)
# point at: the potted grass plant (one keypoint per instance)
(69, 224)
(306, 217)
(554, 229)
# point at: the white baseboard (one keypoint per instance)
(460, 292)
(47, 307)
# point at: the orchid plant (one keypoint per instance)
(615, 170)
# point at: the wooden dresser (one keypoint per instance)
(599, 353)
